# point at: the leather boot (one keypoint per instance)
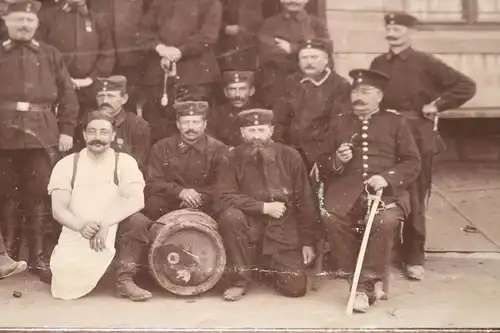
(129, 254)
(37, 262)
(12, 226)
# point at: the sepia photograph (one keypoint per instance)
(218, 165)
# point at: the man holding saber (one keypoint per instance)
(420, 86)
(369, 147)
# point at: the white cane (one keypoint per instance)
(366, 235)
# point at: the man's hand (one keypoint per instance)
(89, 230)
(98, 242)
(429, 110)
(308, 254)
(284, 45)
(170, 53)
(65, 143)
(344, 152)
(274, 209)
(191, 198)
(377, 182)
(232, 30)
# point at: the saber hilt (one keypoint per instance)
(170, 70)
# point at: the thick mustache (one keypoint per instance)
(97, 142)
(391, 38)
(358, 102)
(190, 132)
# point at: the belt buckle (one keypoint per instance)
(23, 106)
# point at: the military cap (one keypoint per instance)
(317, 43)
(254, 117)
(27, 6)
(401, 18)
(191, 108)
(370, 77)
(112, 83)
(238, 76)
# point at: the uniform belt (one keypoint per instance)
(26, 106)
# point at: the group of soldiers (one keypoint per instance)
(139, 107)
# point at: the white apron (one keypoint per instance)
(76, 268)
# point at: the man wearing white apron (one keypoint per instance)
(92, 193)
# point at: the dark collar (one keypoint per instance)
(199, 145)
(10, 44)
(120, 117)
(325, 77)
(299, 16)
(403, 54)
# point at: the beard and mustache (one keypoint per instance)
(259, 150)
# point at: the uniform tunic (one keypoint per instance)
(240, 52)
(302, 115)
(276, 64)
(192, 26)
(76, 268)
(383, 145)
(84, 40)
(174, 165)
(223, 123)
(35, 72)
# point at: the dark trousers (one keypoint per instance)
(163, 119)
(242, 236)
(344, 235)
(414, 231)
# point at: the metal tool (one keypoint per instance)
(170, 70)
(373, 207)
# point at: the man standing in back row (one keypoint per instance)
(420, 86)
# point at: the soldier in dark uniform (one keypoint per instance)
(179, 37)
(368, 147)
(238, 43)
(133, 134)
(279, 44)
(182, 172)
(268, 209)
(34, 79)
(223, 122)
(85, 41)
(124, 17)
(311, 99)
(420, 86)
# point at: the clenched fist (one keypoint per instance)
(344, 152)
(274, 209)
(377, 182)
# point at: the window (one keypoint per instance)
(455, 11)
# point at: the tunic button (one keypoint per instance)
(365, 174)
(365, 157)
(365, 143)
(365, 122)
(364, 128)
(364, 135)
(365, 149)
(365, 166)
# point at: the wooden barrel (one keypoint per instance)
(187, 256)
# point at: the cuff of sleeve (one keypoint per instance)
(67, 129)
(440, 105)
(308, 241)
(392, 179)
(294, 47)
(177, 190)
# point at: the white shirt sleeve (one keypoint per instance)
(128, 172)
(60, 179)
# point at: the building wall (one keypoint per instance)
(357, 30)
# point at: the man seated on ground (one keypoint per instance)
(94, 193)
(8, 266)
(268, 206)
(223, 121)
(182, 169)
(374, 148)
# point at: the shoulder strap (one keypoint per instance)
(75, 167)
(117, 156)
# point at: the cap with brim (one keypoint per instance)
(254, 117)
(401, 18)
(29, 6)
(237, 77)
(191, 108)
(322, 44)
(369, 77)
(112, 83)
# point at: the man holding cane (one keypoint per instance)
(369, 149)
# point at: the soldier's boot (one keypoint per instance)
(129, 255)
(38, 263)
(125, 285)
(12, 226)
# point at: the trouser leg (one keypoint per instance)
(239, 239)
(414, 229)
(288, 268)
(156, 207)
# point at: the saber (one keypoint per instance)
(377, 198)
(435, 130)
(170, 70)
